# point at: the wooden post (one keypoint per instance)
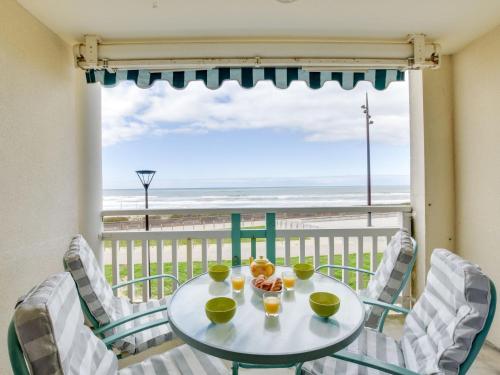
(236, 239)
(271, 237)
(253, 250)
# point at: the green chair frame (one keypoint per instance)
(237, 234)
(99, 329)
(376, 364)
(18, 361)
(404, 281)
(19, 366)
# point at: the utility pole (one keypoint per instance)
(366, 110)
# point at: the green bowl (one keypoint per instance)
(218, 272)
(324, 304)
(220, 309)
(303, 270)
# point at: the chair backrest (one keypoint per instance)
(48, 331)
(96, 293)
(269, 233)
(391, 276)
(447, 326)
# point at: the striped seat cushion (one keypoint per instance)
(386, 282)
(50, 328)
(182, 360)
(151, 337)
(452, 310)
(370, 343)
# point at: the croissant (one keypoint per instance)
(277, 284)
(267, 285)
(259, 281)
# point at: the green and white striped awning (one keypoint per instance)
(247, 77)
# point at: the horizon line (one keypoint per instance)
(255, 187)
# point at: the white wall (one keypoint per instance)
(432, 164)
(90, 166)
(38, 156)
(477, 156)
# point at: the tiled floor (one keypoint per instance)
(488, 362)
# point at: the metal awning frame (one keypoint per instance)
(309, 54)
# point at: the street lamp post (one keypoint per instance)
(146, 176)
(366, 110)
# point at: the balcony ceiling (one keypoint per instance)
(453, 23)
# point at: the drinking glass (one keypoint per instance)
(272, 303)
(238, 282)
(289, 280)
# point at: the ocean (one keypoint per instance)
(305, 196)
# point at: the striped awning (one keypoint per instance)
(247, 77)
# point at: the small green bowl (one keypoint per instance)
(220, 309)
(303, 270)
(324, 304)
(218, 272)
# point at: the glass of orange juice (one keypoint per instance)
(272, 303)
(238, 282)
(289, 279)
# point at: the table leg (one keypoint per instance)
(298, 369)
(235, 367)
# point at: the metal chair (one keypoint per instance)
(47, 335)
(269, 234)
(442, 334)
(391, 276)
(108, 314)
(237, 234)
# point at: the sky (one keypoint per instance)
(264, 136)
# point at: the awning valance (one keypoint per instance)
(247, 77)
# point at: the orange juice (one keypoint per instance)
(238, 282)
(289, 279)
(272, 305)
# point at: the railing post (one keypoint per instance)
(159, 266)
(175, 267)
(235, 239)
(204, 254)
(253, 247)
(189, 258)
(287, 251)
(271, 236)
(145, 269)
(115, 246)
(130, 269)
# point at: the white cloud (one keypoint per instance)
(330, 114)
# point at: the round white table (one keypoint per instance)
(297, 335)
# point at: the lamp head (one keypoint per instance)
(146, 176)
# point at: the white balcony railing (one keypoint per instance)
(187, 250)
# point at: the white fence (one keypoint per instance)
(187, 248)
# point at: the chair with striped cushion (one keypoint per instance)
(47, 335)
(108, 314)
(391, 276)
(442, 334)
